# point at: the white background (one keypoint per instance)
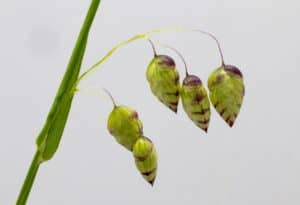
(256, 162)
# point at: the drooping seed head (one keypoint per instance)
(227, 91)
(163, 78)
(195, 101)
(145, 159)
(123, 123)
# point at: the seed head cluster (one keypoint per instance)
(226, 92)
(225, 84)
(126, 127)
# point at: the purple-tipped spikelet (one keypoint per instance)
(145, 159)
(227, 91)
(163, 78)
(195, 101)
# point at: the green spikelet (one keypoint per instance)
(195, 101)
(164, 80)
(227, 90)
(123, 123)
(145, 159)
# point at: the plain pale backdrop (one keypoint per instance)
(256, 162)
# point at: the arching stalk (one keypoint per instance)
(178, 53)
(153, 47)
(216, 40)
(110, 96)
(144, 36)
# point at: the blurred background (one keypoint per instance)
(255, 162)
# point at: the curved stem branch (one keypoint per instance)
(108, 54)
(178, 53)
(143, 36)
(110, 96)
(118, 46)
(153, 47)
(216, 40)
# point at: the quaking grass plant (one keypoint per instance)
(226, 92)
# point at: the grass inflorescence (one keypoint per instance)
(225, 91)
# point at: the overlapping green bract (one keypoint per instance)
(195, 101)
(227, 90)
(163, 78)
(123, 123)
(145, 159)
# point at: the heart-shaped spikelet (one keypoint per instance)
(195, 101)
(227, 90)
(124, 124)
(163, 78)
(145, 159)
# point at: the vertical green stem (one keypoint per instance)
(26, 188)
(53, 129)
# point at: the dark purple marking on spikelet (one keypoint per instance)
(176, 80)
(174, 109)
(202, 112)
(192, 80)
(203, 121)
(198, 98)
(230, 123)
(149, 172)
(216, 104)
(135, 115)
(220, 78)
(228, 118)
(234, 70)
(146, 174)
(173, 103)
(141, 159)
(152, 181)
(223, 111)
(175, 93)
(166, 60)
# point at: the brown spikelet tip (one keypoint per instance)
(135, 115)
(166, 60)
(230, 123)
(234, 70)
(205, 129)
(152, 182)
(192, 80)
(174, 109)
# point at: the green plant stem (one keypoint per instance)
(50, 136)
(34, 167)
